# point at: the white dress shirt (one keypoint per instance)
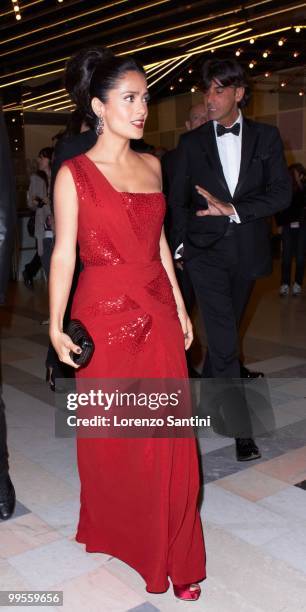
(229, 149)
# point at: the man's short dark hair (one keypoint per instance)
(227, 72)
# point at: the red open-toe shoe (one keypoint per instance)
(185, 592)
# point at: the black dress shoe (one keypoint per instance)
(7, 498)
(246, 449)
(246, 373)
(28, 281)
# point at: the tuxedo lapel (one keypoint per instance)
(249, 141)
(209, 146)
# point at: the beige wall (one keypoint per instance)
(38, 136)
(284, 108)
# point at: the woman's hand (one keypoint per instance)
(63, 345)
(186, 327)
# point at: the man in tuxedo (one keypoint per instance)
(7, 222)
(230, 177)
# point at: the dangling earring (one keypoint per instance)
(100, 126)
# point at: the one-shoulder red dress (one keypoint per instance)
(138, 496)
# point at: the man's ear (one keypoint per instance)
(239, 93)
(187, 125)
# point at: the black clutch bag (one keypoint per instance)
(80, 336)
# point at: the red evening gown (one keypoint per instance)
(138, 496)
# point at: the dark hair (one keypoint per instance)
(227, 72)
(92, 73)
(46, 152)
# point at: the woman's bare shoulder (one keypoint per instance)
(152, 163)
(64, 174)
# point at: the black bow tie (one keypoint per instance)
(221, 130)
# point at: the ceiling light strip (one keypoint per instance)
(26, 100)
(24, 6)
(160, 69)
(48, 100)
(226, 35)
(79, 29)
(210, 45)
(170, 70)
(64, 107)
(22, 70)
(63, 21)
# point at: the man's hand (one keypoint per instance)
(215, 208)
(179, 264)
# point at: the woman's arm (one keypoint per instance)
(63, 262)
(166, 258)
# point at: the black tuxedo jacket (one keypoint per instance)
(263, 188)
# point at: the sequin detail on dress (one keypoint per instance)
(139, 207)
(84, 185)
(160, 289)
(98, 249)
(133, 335)
(110, 306)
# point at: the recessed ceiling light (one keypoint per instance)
(252, 40)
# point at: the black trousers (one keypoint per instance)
(222, 290)
(3, 445)
(33, 266)
(186, 288)
(294, 245)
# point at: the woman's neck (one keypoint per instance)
(110, 149)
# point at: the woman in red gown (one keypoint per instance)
(138, 496)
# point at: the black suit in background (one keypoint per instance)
(7, 223)
(68, 147)
(223, 259)
(168, 165)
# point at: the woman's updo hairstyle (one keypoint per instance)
(91, 73)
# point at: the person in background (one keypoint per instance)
(292, 224)
(39, 201)
(7, 223)
(196, 117)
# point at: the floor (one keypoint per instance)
(254, 515)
